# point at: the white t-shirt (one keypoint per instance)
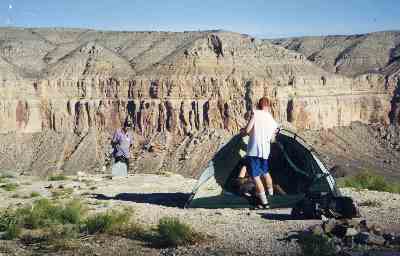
(261, 134)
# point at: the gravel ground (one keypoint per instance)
(233, 231)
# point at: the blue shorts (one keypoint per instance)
(258, 166)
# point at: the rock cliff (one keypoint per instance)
(64, 91)
(355, 55)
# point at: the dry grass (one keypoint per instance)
(9, 186)
(370, 181)
(56, 226)
(172, 232)
(316, 245)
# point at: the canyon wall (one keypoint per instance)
(64, 92)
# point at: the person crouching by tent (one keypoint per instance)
(261, 129)
(122, 142)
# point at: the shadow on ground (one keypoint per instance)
(164, 199)
(278, 216)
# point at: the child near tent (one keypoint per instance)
(243, 184)
(261, 129)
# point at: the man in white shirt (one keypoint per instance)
(261, 129)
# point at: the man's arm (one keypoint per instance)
(247, 129)
(115, 139)
(276, 130)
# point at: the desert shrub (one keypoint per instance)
(316, 245)
(9, 225)
(12, 232)
(5, 176)
(371, 181)
(42, 214)
(58, 226)
(45, 213)
(62, 193)
(34, 194)
(108, 222)
(57, 177)
(72, 212)
(55, 237)
(9, 187)
(172, 232)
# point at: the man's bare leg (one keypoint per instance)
(267, 182)
(260, 191)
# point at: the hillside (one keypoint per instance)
(350, 55)
(64, 91)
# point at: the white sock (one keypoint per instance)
(270, 191)
(263, 198)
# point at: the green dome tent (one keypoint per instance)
(295, 168)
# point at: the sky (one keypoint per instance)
(260, 18)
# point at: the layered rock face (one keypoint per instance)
(355, 55)
(368, 55)
(64, 92)
(349, 55)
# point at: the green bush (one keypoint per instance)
(12, 232)
(45, 213)
(371, 181)
(72, 213)
(9, 187)
(9, 225)
(34, 194)
(316, 245)
(172, 232)
(55, 226)
(108, 222)
(41, 215)
(57, 177)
